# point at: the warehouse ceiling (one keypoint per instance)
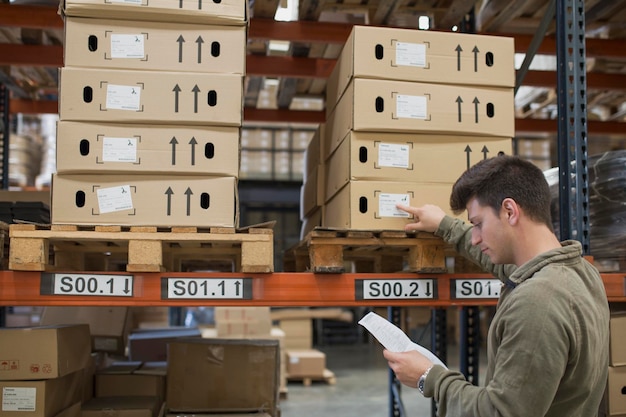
(289, 59)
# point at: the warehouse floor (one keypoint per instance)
(361, 387)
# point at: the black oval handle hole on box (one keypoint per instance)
(379, 51)
(209, 151)
(80, 199)
(87, 94)
(363, 204)
(212, 98)
(491, 110)
(380, 105)
(489, 59)
(83, 147)
(215, 49)
(205, 200)
(92, 43)
(363, 154)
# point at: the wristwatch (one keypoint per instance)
(422, 381)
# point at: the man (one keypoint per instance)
(547, 347)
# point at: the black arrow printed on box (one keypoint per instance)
(189, 193)
(180, 42)
(458, 50)
(476, 51)
(199, 41)
(459, 100)
(485, 151)
(174, 142)
(468, 151)
(176, 91)
(193, 144)
(476, 102)
(169, 193)
(195, 90)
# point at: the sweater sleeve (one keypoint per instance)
(535, 337)
(459, 234)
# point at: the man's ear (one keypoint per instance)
(511, 210)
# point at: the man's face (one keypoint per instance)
(491, 232)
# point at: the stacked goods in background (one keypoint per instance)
(44, 371)
(614, 403)
(407, 112)
(150, 114)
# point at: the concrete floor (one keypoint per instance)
(361, 388)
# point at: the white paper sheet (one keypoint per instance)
(393, 338)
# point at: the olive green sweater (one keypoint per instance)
(548, 343)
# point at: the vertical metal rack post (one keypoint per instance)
(572, 119)
(4, 135)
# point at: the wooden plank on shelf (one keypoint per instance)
(140, 248)
(328, 250)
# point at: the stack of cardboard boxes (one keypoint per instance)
(407, 112)
(150, 113)
(44, 370)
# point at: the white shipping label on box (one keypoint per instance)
(114, 199)
(393, 155)
(411, 107)
(411, 54)
(119, 149)
(127, 46)
(123, 97)
(387, 205)
(19, 399)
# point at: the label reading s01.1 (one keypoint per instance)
(206, 288)
(395, 289)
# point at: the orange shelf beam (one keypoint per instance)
(277, 289)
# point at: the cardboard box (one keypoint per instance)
(122, 407)
(371, 205)
(109, 326)
(616, 390)
(71, 411)
(228, 12)
(424, 56)
(411, 107)
(43, 352)
(84, 148)
(160, 97)
(617, 326)
(222, 375)
(405, 157)
(314, 153)
(40, 398)
(252, 322)
(125, 44)
(111, 384)
(298, 333)
(310, 222)
(143, 200)
(312, 192)
(305, 363)
(150, 345)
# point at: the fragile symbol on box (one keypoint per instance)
(9, 365)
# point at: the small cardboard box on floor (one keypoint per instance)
(125, 44)
(144, 200)
(424, 56)
(400, 106)
(305, 363)
(371, 205)
(44, 352)
(407, 157)
(228, 12)
(123, 381)
(41, 398)
(147, 149)
(109, 326)
(223, 375)
(160, 97)
(127, 406)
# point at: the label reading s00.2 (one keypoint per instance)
(395, 289)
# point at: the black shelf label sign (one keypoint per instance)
(85, 284)
(475, 288)
(206, 288)
(395, 289)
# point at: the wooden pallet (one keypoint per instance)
(328, 377)
(140, 249)
(328, 250)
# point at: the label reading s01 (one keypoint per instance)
(476, 288)
(395, 289)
